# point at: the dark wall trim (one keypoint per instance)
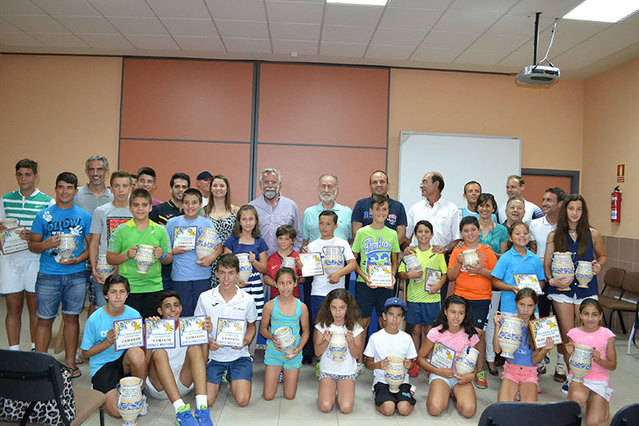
(572, 174)
(254, 130)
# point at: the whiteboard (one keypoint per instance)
(459, 158)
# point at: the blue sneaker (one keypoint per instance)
(203, 416)
(184, 417)
(564, 387)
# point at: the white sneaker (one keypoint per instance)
(360, 366)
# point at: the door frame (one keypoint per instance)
(572, 174)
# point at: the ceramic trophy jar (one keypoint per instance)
(206, 243)
(583, 273)
(338, 346)
(285, 338)
(332, 259)
(102, 267)
(66, 248)
(510, 335)
(144, 258)
(245, 266)
(130, 401)
(562, 266)
(581, 362)
(470, 258)
(395, 373)
(466, 361)
(411, 264)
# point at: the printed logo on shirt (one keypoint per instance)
(114, 222)
(47, 216)
(391, 219)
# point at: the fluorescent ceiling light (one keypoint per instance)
(360, 2)
(603, 10)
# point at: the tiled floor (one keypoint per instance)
(303, 409)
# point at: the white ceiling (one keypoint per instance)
(479, 35)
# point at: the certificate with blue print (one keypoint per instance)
(193, 331)
(230, 332)
(160, 334)
(129, 333)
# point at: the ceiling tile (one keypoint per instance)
(290, 31)
(193, 9)
(8, 28)
(399, 37)
(499, 42)
(409, 18)
(304, 48)
(497, 6)
(242, 29)
(342, 50)
(387, 51)
(58, 40)
(520, 58)
(631, 20)
(67, 7)
(438, 55)
(87, 24)
(247, 45)
(19, 40)
(480, 57)
(346, 34)
(19, 7)
(106, 41)
(137, 8)
(152, 42)
(200, 44)
(425, 4)
(518, 25)
(352, 15)
(549, 8)
(449, 40)
(248, 10)
(466, 21)
(190, 27)
(147, 26)
(299, 12)
(36, 23)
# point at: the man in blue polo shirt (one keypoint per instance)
(328, 190)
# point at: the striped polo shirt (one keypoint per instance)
(25, 209)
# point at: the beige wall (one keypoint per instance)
(611, 136)
(57, 110)
(549, 121)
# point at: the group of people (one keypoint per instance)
(110, 223)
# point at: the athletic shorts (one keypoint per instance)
(239, 369)
(520, 373)
(109, 375)
(562, 298)
(383, 394)
(452, 382)
(337, 377)
(182, 389)
(367, 298)
(18, 273)
(480, 312)
(422, 313)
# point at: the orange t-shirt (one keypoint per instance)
(474, 287)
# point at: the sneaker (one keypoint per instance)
(546, 360)
(203, 416)
(480, 380)
(541, 369)
(184, 417)
(359, 368)
(560, 373)
(564, 388)
(414, 371)
(317, 370)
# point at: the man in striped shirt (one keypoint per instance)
(19, 270)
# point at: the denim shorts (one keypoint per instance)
(96, 296)
(239, 369)
(69, 289)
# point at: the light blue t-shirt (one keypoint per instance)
(310, 222)
(511, 263)
(55, 221)
(184, 266)
(523, 354)
(95, 331)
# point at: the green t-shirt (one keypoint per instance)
(128, 235)
(375, 247)
(428, 260)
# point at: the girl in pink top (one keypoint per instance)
(455, 329)
(594, 392)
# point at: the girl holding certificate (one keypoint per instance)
(284, 351)
(520, 372)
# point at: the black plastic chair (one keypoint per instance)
(36, 376)
(628, 415)
(564, 413)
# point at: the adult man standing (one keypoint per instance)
(362, 215)
(204, 185)
(274, 210)
(19, 270)
(61, 280)
(95, 193)
(441, 213)
(328, 190)
(515, 188)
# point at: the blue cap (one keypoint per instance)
(204, 175)
(394, 301)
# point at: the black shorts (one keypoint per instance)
(382, 394)
(108, 375)
(367, 298)
(145, 303)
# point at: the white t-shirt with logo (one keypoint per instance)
(381, 345)
(321, 286)
(346, 367)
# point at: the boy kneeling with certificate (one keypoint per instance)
(109, 365)
(173, 371)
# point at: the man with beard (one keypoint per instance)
(327, 194)
(274, 210)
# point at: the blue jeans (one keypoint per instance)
(98, 296)
(52, 289)
(189, 292)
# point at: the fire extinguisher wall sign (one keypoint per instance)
(615, 205)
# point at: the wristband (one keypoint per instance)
(163, 256)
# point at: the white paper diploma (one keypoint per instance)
(543, 328)
(311, 264)
(184, 236)
(10, 241)
(230, 332)
(128, 333)
(528, 281)
(442, 356)
(160, 334)
(192, 331)
(380, 275)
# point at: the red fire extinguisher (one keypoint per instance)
(615, 205)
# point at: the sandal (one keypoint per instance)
(75, 373)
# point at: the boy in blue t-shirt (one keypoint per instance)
(190, 276)
(108, 366)
(61, 279)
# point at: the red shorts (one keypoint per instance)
(520, 373)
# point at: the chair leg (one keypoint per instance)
(623, 326)
(101, 416)
(631, 338)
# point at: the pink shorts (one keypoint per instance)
(520, 373)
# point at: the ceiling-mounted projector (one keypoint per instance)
(538, 75)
